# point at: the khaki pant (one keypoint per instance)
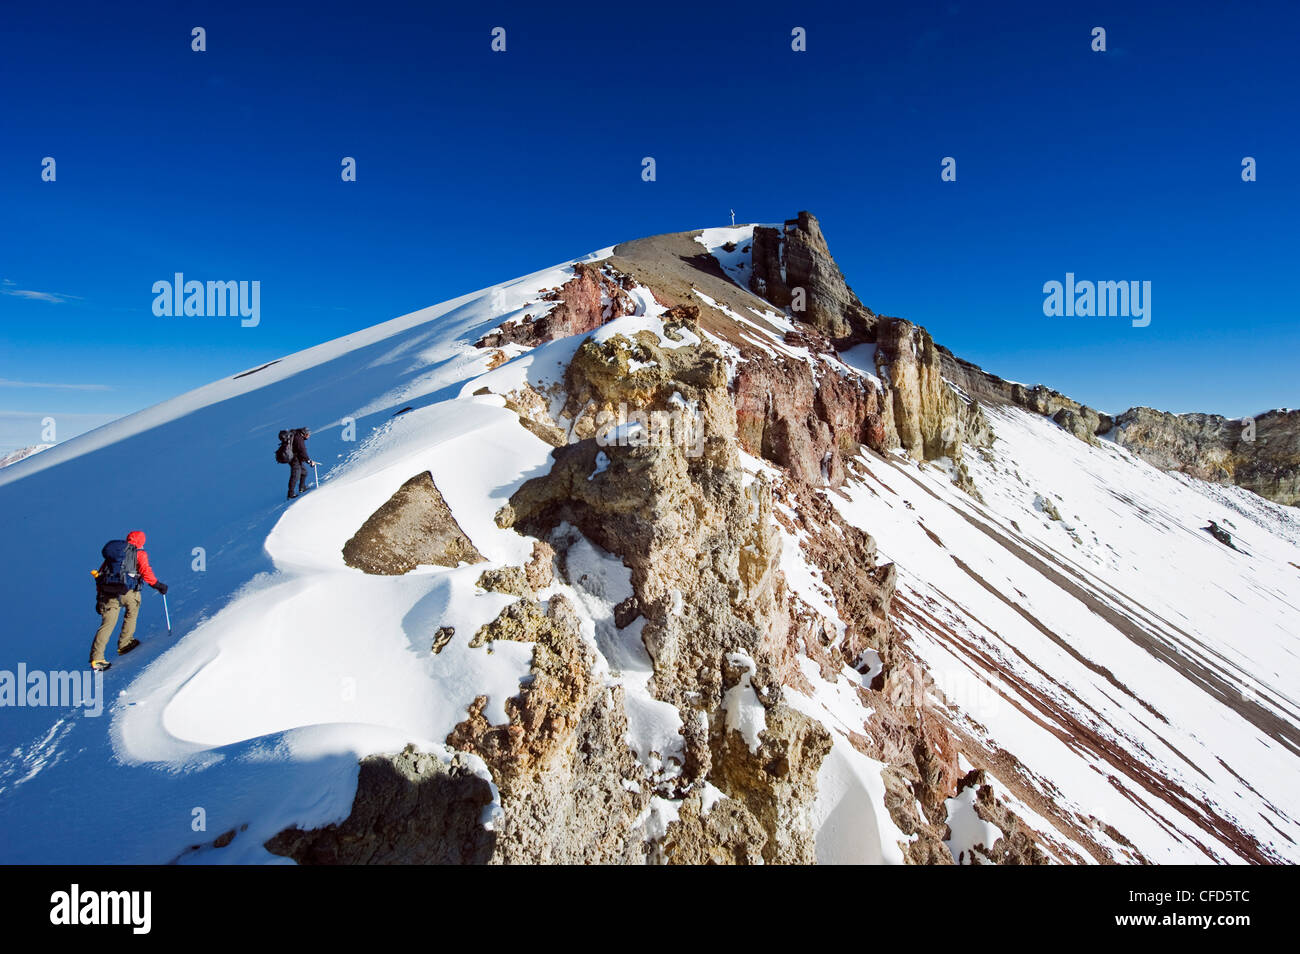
(128, 601)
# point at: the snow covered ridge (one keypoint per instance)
(867, 616)
(22, 453)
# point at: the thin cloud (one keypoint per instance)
(38, 295)
(7, 383)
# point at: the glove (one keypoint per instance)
(161, 587)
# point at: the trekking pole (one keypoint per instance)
(316, 473)
(167, 614)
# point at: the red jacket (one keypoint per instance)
(136, 539)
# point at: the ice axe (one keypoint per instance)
(316, 474)
(167, 614)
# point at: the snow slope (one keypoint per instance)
(1119, 666)
(286, 665)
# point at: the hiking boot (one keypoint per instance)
(123, 650)
(99, 665)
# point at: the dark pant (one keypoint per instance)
(297, 475)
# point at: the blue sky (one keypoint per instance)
(475, 167)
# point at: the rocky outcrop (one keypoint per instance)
(793, 262)
(776, 781)
(571, 790)
(677, 511)
(863, 588)
(1199, 444)
(725, 833)
(414, 527)
(924, 414)
(539, 571)
(507, 579)
(693, 532)
(592, 297)
(1083, 422)
(807, 416)
(918, 410)
(412, 808)
(1017, 844)
(1261, 454)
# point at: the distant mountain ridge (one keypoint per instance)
(22, 453)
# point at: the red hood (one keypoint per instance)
(135, 538)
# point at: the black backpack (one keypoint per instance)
(284, 453)
(118, 573)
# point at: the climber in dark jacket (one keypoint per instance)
(300, 462)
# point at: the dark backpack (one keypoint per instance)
(284, 453)
(118, 573)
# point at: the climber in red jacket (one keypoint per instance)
(117, 590)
